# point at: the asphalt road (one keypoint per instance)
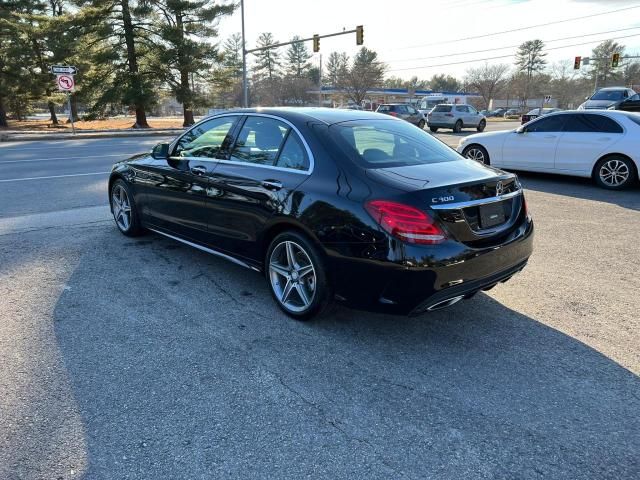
(142, 358)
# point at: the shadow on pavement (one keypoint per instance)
(182, 367)
(582, 188)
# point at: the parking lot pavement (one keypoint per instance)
(452, 139)
(143, 358)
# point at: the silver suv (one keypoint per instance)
(456, 117)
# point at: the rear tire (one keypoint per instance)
(421, 124)
(482, 125)
(124, 210)
(615, 172)
(297, 276)
(457, 128)
(478, 153)
(433, 129)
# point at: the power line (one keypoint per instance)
(521, 28)
(510, 46)
(505, 56)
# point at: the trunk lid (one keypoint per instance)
(474, 203)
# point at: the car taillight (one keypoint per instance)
(405, 222)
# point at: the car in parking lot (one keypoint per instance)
(603, 145)
(456, 117)
(331, 204)
(631, 104)
(512, 113)
(498, 112)
(537, 112)
(403, 111)
(607, 98)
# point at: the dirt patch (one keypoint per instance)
(119, 123)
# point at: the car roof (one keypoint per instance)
(613, 88)
(325, 115)
(608, 113)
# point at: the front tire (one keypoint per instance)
(482, 125)
(457, 128)
(297, 276)
(477, 153)
(615, 173)
(421, 124)
(433, 129)
(124, 209)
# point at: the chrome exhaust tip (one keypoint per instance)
(445, 303)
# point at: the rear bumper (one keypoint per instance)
(429, 275)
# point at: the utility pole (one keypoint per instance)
(320, 83)
(245, 92)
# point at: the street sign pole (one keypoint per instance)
(73, 128)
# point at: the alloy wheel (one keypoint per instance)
(614, 173)
(476, 154)
(292, 276)
(121, 207)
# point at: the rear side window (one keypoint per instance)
(385, 108)
(382, 144)
(293, 154)
(443, 108)
(461, 109)
(259, 141)
(591, 123)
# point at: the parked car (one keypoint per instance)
(603, 145)
(485, 112)
(498, 112)
(512, 113)
(607, 98)
(331, 204)
(535, 113)
(456, 117)
(631, 104)
(403, 111)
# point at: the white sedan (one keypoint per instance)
(604, 145)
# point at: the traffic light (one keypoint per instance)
(359, 35)
(316, 43)
(615, 60)
(576, 63)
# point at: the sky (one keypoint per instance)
(425, 37)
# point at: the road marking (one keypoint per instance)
(64, 158)
(52, 176)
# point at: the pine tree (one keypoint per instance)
(530, 60)
(186, 28)
(267, 61)
(232, 55)
(297, 58)
(336, 68)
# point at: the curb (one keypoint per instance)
(21, 137)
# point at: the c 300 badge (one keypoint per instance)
(442, 199)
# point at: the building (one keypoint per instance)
(336, 97)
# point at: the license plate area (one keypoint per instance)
(492, 214)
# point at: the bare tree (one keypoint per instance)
(488, 80)
(365, 73)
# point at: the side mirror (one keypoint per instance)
(587, 98)
(160, 151)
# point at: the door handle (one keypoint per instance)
(604, 139)
(198, 170)
(272, 184)
(549, 136)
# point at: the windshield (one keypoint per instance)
(390, 143)
(607, 95)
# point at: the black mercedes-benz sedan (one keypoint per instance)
(331, 205)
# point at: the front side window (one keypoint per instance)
(547, 124)
(635, 98)
(209, 139)
(389, 143)
(259, 141)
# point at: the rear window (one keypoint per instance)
(442, 108)
(383, 144)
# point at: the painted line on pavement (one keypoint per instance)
(64, 158)
(52, 176)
